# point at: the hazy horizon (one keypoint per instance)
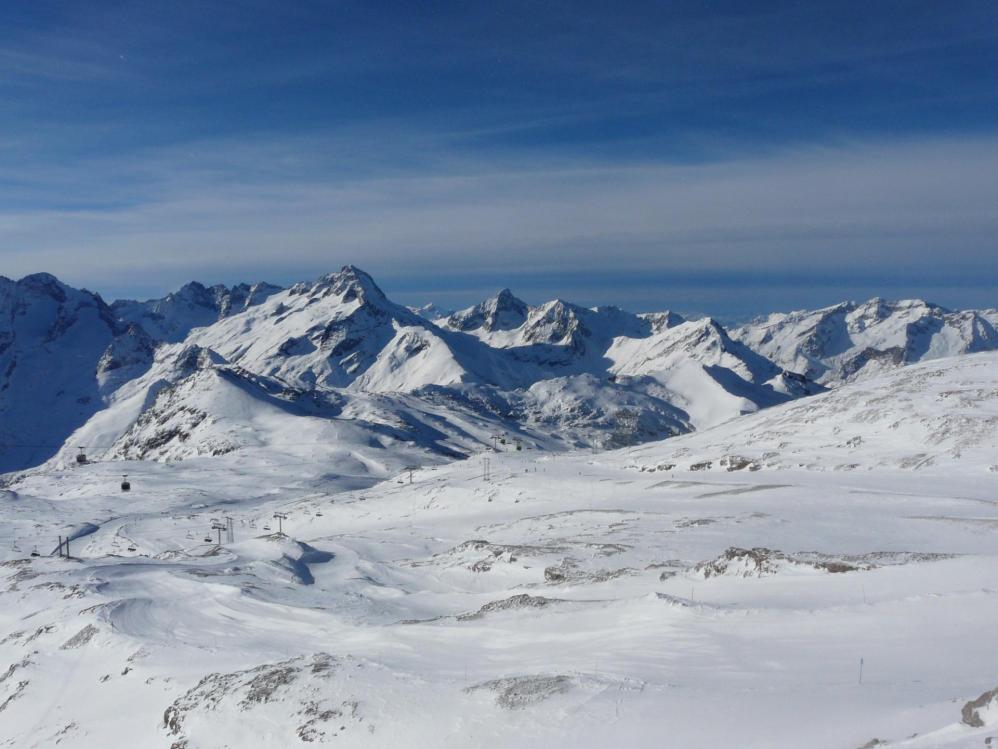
(732, 158)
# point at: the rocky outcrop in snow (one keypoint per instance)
(192, 306)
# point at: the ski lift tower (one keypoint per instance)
(218, 526)
(410, 469)
(280, 517)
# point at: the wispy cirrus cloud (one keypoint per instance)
(847, 211)
(572, 148)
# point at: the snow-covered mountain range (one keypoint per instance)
(193, 373)
(851, 341)
(301, 560)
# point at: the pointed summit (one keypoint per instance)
(504, 311)
(350, 283)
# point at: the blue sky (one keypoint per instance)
(722, 157)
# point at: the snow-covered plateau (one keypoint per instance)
(354, 524)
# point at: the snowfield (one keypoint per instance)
(822, 573)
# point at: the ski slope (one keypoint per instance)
(659, 595)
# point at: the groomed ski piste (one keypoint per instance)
(823, 573)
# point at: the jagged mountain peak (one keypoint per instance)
(193, 305)
(502, 311)
(852, 340)
(432, 312)
(339, 331)
(339, 336)
(660, 321)
(349, 283)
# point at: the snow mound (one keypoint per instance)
(513, 603)
(300, 696)
(516, 692)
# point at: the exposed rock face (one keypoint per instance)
(502, 312)
(983, 711)
(301, 696)
(517, 692)
(761, 562)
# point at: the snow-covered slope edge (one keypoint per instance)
(927, 416)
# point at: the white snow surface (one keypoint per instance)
(720, 588)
